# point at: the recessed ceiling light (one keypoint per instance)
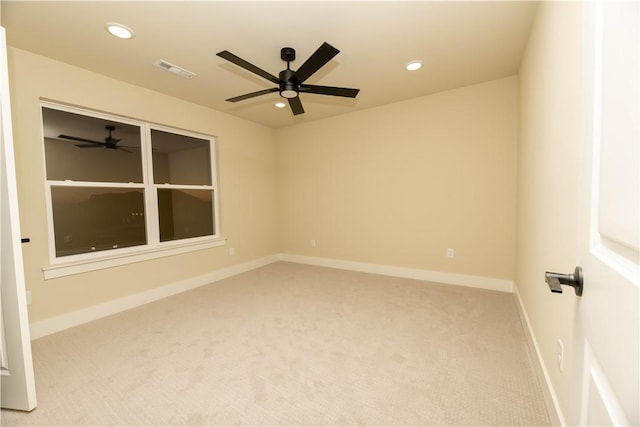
(280, 104)
(414, 65)
(119, 30)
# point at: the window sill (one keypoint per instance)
(69, 268)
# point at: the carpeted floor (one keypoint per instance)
(290, 344)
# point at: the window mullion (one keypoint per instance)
(185, 186)
(151, 194)
(96, 184)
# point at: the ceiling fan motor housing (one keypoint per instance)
(288, 87)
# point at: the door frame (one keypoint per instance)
(18, 382)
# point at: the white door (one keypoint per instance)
(606, 382)
(16, 372)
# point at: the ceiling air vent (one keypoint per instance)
(161, 63)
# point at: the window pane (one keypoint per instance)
(78, 148)
(97, 219)
(180, 159)
(185, 213)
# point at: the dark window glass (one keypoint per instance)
(180, 159)
(78, 148)
(185, 213)
(96, 219)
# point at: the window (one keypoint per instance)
(117, 186)
(181, 168)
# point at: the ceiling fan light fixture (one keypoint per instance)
(119, 30)
(414, 65)
(288, 93)
(288, 90)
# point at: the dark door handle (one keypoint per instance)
(554, 280)
(25, 240)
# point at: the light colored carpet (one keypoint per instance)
(290, 344)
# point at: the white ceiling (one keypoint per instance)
(460, 43)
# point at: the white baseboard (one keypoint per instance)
(550, 396)
(65, 321)
(408, 273)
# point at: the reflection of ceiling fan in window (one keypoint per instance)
(109, 142)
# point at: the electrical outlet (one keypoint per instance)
(450, 253)
(313, 243)
(560, 354)
(232, 251)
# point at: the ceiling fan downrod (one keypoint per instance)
(288, 87)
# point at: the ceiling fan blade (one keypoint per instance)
(315, 62)
(252, 94)
(75, 138)
(296, 106)
(225, 54)
(89, 146)
(330, 90)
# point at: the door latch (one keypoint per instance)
(554, 280)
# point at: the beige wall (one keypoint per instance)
(247, 177)
(398, 184)
(548, 154)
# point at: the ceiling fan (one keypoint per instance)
(109, 141)
(291, 83)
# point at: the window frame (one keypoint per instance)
(154, 248)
